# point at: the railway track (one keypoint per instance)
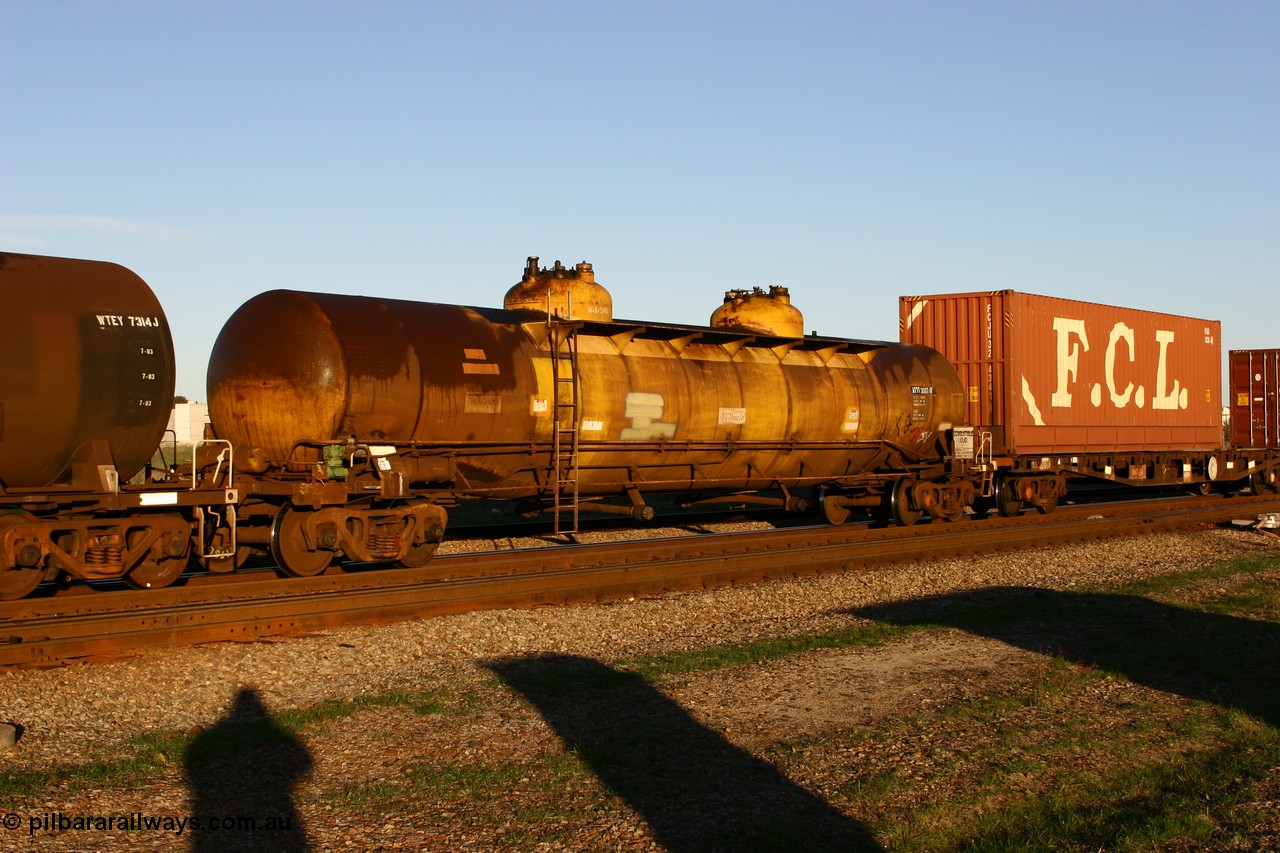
(49, 631)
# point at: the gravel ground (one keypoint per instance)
(73, 713)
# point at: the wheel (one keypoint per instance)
(1204, 489)
(900, 504)
(152, 574)
(18, 582)
(1007, 502)
(834, 509)
(419, 555)
(289, 547)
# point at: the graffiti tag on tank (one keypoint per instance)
(644, 411)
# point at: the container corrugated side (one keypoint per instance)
(1050, 376)
(1254, 377)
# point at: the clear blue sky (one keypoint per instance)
(1117, 152)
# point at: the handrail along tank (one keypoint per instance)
(91, 361)
(660, 407)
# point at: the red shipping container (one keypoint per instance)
(1254, 375)
(1051, 376)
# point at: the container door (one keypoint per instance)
(1255, 397)
(971, 331)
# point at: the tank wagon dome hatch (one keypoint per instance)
(757, 311)
(569, 294)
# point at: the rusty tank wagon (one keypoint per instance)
(86, 387)
(357, 422)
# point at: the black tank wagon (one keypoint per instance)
(86, 387)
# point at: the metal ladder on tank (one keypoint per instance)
(564, 423)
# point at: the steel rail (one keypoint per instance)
(48, 631)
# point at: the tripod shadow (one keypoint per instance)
(697, 791)
(1226, 660)
(240, 772)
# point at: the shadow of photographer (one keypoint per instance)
(241, 772)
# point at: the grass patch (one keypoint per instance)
(541, 783)
(1055, 677)
(142, 757)
(453, 781)
(761, 651)
(381, 797)
(422, 702)
(1184, 799)
(1034, 781)
(1165, 584)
